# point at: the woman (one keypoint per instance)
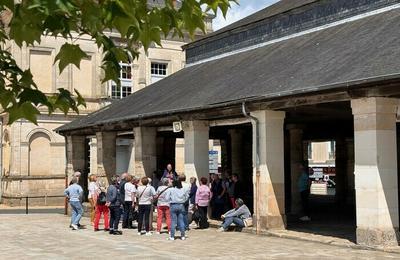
(237, 216)
(145, 195)
(94, 191)
(113, 199)
(101, 208)
(218, 197)
(130, 191)
(203, 197)
(163, 205)
(177, 198)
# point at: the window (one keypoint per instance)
(118, 92)
(158, 71)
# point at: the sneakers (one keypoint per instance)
(183, 238)
(96, 229)
(305, 218)
(148, 234)
(74, 227)
(139, 233)
(221, 229)
(171, 238)
(158, 232)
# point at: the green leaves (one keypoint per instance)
(69, 54)
(118, 27)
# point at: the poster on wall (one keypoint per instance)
(213, 161)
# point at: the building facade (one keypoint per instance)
(293, 73)
(34, 156)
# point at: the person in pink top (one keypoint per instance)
(203, 197)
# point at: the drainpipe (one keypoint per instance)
(257, 137)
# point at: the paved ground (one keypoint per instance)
(47, 236)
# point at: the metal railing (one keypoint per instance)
(32, 197)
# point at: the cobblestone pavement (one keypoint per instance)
(47, 236)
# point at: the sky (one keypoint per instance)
(237, 12)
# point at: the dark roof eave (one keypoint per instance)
(299, 92)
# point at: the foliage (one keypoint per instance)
(137, 23)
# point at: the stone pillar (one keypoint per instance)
(296, 158)
(106, 154)
(269, 189)
(131, 167)
(179, 155)
(145, 151)
(75, 154)
(341, 170)
(376, 171)
(93, 155)
(350, 194)
(237, 151)
(196, 149)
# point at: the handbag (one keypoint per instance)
(248, 222)
(155, 199)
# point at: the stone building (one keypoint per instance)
(295, 71)
(34, 156)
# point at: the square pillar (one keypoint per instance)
(93, 155)
(106, 154)
(296, 158)
(269, 180)
(196, 149)
(75, 154)
(376, 171)
(145, 145)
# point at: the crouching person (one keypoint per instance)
(240, 216)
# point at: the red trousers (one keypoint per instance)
(101, 209)
(163, 211)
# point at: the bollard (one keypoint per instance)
(26, 205)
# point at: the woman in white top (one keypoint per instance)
(129, 200)
(94, 189)
(145, 195)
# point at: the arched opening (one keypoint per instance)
(39, 154)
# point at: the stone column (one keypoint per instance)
(145, 151)
(131, 167)
(237, 151)
(269, 189)
(106, 154)
(196, 149)
(296, 158)
(93, 155)
(75, 154)
(376, 171)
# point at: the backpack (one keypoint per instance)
(102, 199)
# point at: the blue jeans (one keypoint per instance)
(229, 220)
(177, 214)
(186, 215)
(115, 212)
(77, 212)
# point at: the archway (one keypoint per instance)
(39, 154)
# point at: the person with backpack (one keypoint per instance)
(145, 195)
(163, 205)
(114, 204)
(202, 199)
(101, 209)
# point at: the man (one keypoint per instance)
(237, 187)
(114, 203)
(125, 213)
(218, 197)
(186, 188)
(304, 189)
(170, 173)
(77, 175)
(238, 215)
(75, 193)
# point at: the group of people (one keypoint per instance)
(179, 202)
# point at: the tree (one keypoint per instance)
(137, 23)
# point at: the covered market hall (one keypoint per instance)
(263, 88)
